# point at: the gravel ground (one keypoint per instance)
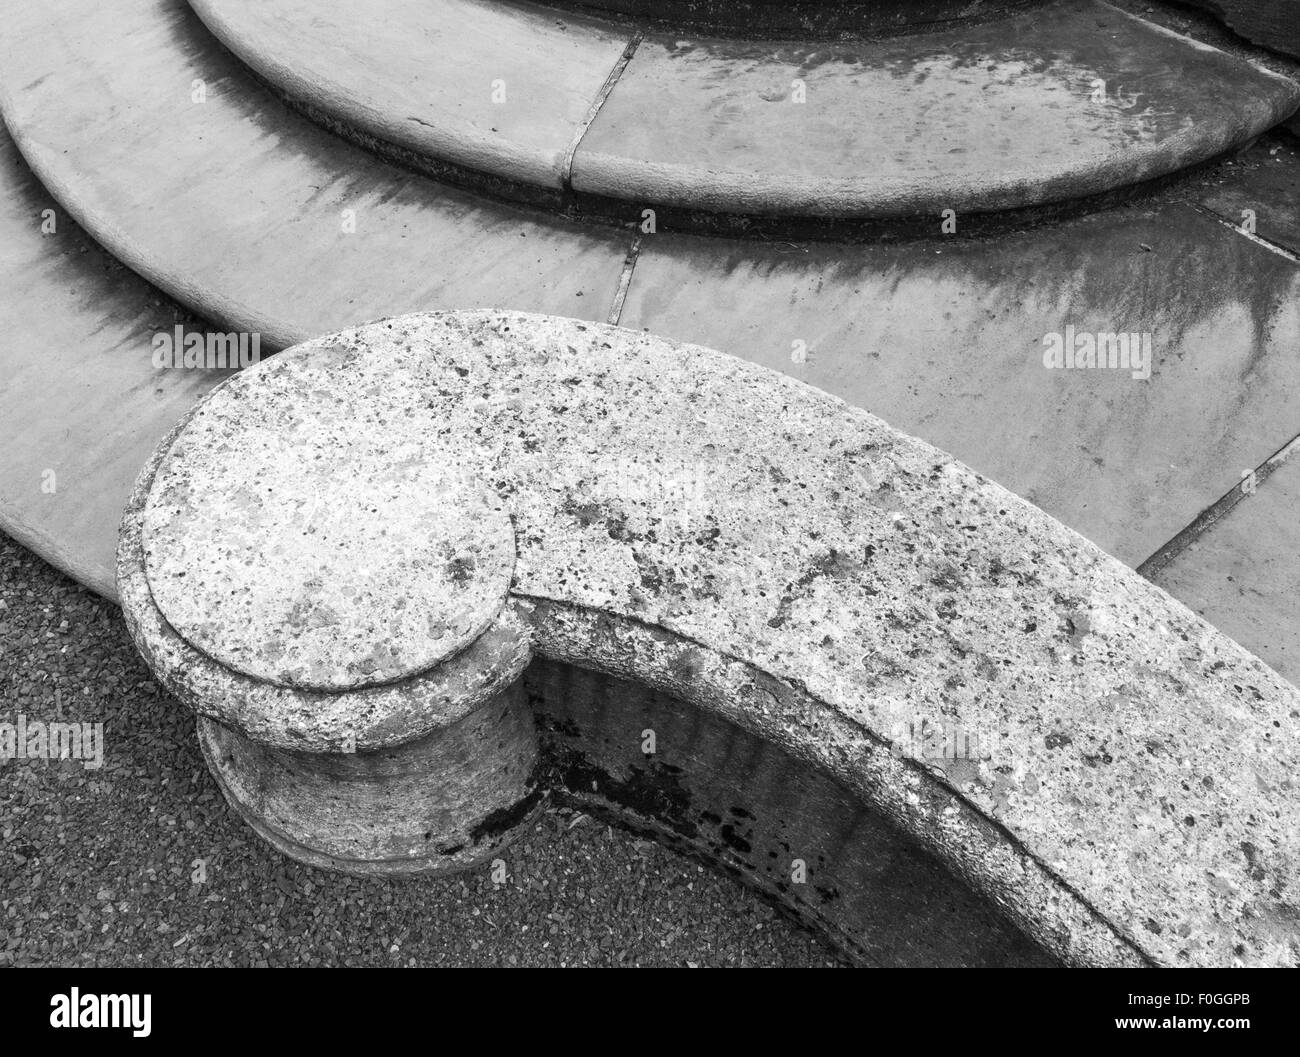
(97, 866)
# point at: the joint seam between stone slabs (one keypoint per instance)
(1259, 240)
(1216, 511)
(624, 282)
(882, 743)
(615, 74)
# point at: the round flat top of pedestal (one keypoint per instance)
(321, 547)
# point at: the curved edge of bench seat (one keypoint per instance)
(725, 534)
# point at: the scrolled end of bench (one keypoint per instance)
(347, 644)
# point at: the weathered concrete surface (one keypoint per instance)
(430, 770)
(360, 566)
(1242, 574)
(992, 116)
(445, 802)
(366, 718)
(724, 534)
(946, 341)
(501, 88)
(81, 405)
(260, 206)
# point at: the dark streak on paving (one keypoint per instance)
(96, 865)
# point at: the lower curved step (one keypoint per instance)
(1043, 104)
(81, 403)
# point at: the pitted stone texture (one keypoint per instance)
(373, 718)
(328, 551)
(688, 519)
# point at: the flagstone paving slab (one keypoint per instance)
(81, 405)
(946, 341)
(1243, 574)
(1001, 114)
(1265, 181)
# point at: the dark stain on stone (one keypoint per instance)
(461, 570)
(1254, 870)
(947, 579)
(503, 820)
(734, 841)
(653, 792)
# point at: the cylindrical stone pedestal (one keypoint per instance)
(335, 608)
(445, 801)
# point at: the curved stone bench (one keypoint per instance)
(346, 557)
(981, 117)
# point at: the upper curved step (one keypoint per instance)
(723, 533)
(1047, 103)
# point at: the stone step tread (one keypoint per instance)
(81, 404)
(947, 343)
(498, 88)
(989, 116)
(240, 210)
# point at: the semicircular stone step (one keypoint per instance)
(1044, 104)
(167, 154)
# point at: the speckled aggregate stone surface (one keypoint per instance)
(1131, 793)
(326, 553)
